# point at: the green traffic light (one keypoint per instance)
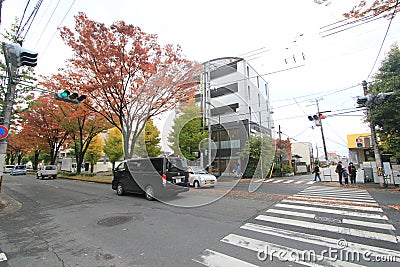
(64, 94)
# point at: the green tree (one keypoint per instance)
(148, 142)
(113, 146)
(386, 115)
(187, 132)
(94, 151)
(259, 154)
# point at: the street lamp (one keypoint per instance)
(219, 139)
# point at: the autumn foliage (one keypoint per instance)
(127, 75)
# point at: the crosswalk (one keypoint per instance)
(319, 226)
(286, 181)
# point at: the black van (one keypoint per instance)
(154, 177)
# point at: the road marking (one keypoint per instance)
(347, 195)
(288, 181)
(213, 258)
(325, 242)
(298, 182)
(277, 181)
(337, 198)
(331, 228)
(332, 211)
(375, 209)
(345, 221)
(311, 182)
(266, 248)
(270, 180)
(3, 257)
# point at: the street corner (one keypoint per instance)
(8, 204)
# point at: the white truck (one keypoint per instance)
(49, 171)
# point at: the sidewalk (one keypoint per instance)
(8, 204)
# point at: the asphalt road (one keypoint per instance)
(72, 223)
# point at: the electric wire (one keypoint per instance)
(29, 20)
(48, 21)
(23, 16)
(384, 38)
(52, 37)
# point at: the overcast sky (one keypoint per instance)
(330, 71)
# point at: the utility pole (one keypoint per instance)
(373, 131)
(8, 104)
(280, 150)
(322, 131)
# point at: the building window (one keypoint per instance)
(259, 100)
(248, 71)
(266, 90)
(248, 91)
(258, 82)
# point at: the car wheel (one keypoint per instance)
(55, 177)
(37, 176)
(196, 184)
(120, 189)
(149, 192)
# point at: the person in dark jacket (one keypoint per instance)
(339, 171)
(352, 173)
(317, 172)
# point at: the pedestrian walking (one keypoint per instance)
(352, 173)
(238, 170)
(317, 173)
(339, 171)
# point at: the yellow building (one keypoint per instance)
(360, 147)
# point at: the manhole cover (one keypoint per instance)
(115, 220)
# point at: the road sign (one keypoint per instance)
(3, 132)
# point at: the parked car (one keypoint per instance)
(8, 168)
(153, 177)
(49, 171)
(199, 177)
(18, 169)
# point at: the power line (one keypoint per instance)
(384, 38)
(48, 21)
(51, 39)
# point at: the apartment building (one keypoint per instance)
(235, 104)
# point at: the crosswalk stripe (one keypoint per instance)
(333, 211)
(338, 198)
(311, 182)
(213, 258)
(363, 194)
(320, 240)
(268, 181)
(344, 221)
(3, 257)
(350, 195)
(277, 181)
(298, 182)
(366, 208)
(288, 181)
(263, 248)
(333, 200)
(330, 228)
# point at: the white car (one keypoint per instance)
(199, 177)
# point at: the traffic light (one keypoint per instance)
(365, 101)
(370, 99)
(316, 118)
(20, 56)
(359, 142)
(321, 116)
(65, 95)
(382, 97)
